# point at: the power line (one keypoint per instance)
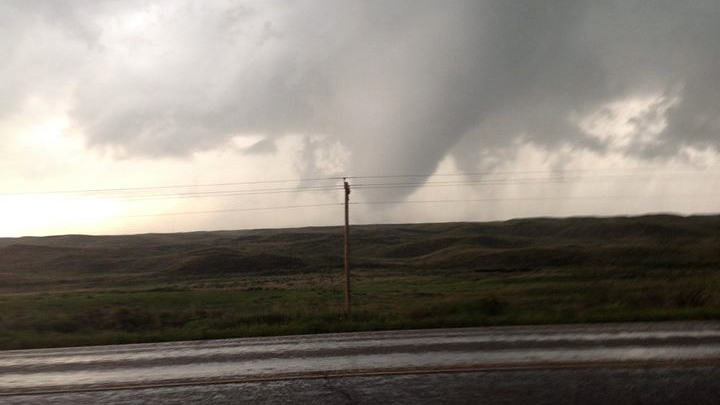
(268, 191)
(503, 181)
(104, 190)
(532, 199)
(413, 202)
(224, 193)
(487, 173)
(300, 180)
(162, 214)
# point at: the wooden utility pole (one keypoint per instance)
(347, 246)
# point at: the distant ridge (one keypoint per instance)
(641, 242)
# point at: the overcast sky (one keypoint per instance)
(564, 107)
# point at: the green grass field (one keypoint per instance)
(313, 303)
(253, 283)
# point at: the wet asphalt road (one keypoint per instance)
(605, 363)
(616, 386)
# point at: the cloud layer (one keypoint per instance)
(394, 86)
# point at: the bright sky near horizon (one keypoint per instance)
(162, 116)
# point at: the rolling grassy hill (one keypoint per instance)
(79, 289)
(658, 241)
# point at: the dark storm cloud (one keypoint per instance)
(401, 84)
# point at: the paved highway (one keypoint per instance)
(602, 363)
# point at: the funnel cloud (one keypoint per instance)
(395, 86)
